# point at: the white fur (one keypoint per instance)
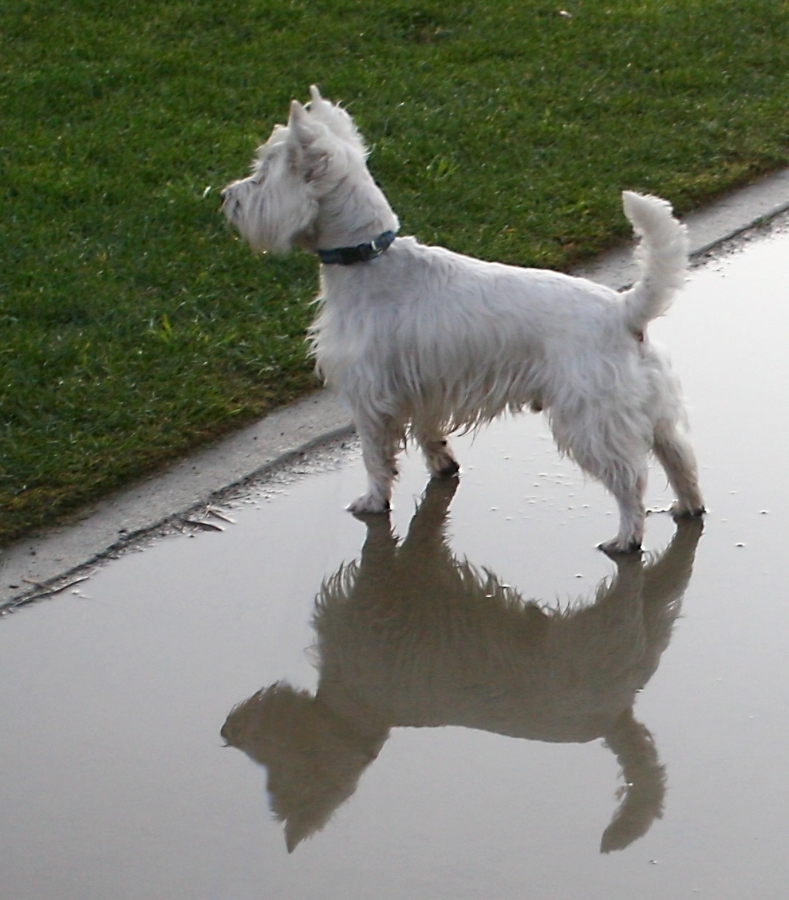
(422, 342)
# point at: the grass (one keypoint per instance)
(134, 326)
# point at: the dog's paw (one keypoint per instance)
(446, 469)
(616, 547)
(680, 511)
(441, 462)
(369, 504)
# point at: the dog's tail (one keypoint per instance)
(662, 255)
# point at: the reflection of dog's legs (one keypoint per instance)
(425, 550)
(663, 583)
(677, 458)
(379, 448)
(379, 548)
(645, 778)
(626, 587)
(435, 501)
(439, 458)
(614, 624)
(666, 577)
(426, 529)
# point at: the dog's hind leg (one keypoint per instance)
(616, 455)
(380, 443)
(677, 458)
(439, 458)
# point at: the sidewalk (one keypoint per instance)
(108, 526)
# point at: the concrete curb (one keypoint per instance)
(40, 564)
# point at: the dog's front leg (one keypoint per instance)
(439, 458)
(379, 447)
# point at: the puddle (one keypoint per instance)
(448, 709)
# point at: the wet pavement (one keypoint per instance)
(446, 704)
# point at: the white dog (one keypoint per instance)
(421, 342)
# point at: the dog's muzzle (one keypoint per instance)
(230, 202)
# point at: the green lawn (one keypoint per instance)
(134, 325)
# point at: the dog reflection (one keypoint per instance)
(412, 636)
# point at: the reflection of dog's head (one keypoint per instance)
(314, 759)
(412, 636)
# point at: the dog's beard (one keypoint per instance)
(273, 217)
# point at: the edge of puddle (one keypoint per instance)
(44, 564)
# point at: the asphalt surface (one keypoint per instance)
(40, 565)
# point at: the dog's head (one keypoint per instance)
(280, 204)
(314, 758)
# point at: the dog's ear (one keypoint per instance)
(299, 124)
(311, 154)
(337, 120)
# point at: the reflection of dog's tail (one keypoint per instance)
(662, 255)
(645, 778)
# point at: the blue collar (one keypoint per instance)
(347, 256)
